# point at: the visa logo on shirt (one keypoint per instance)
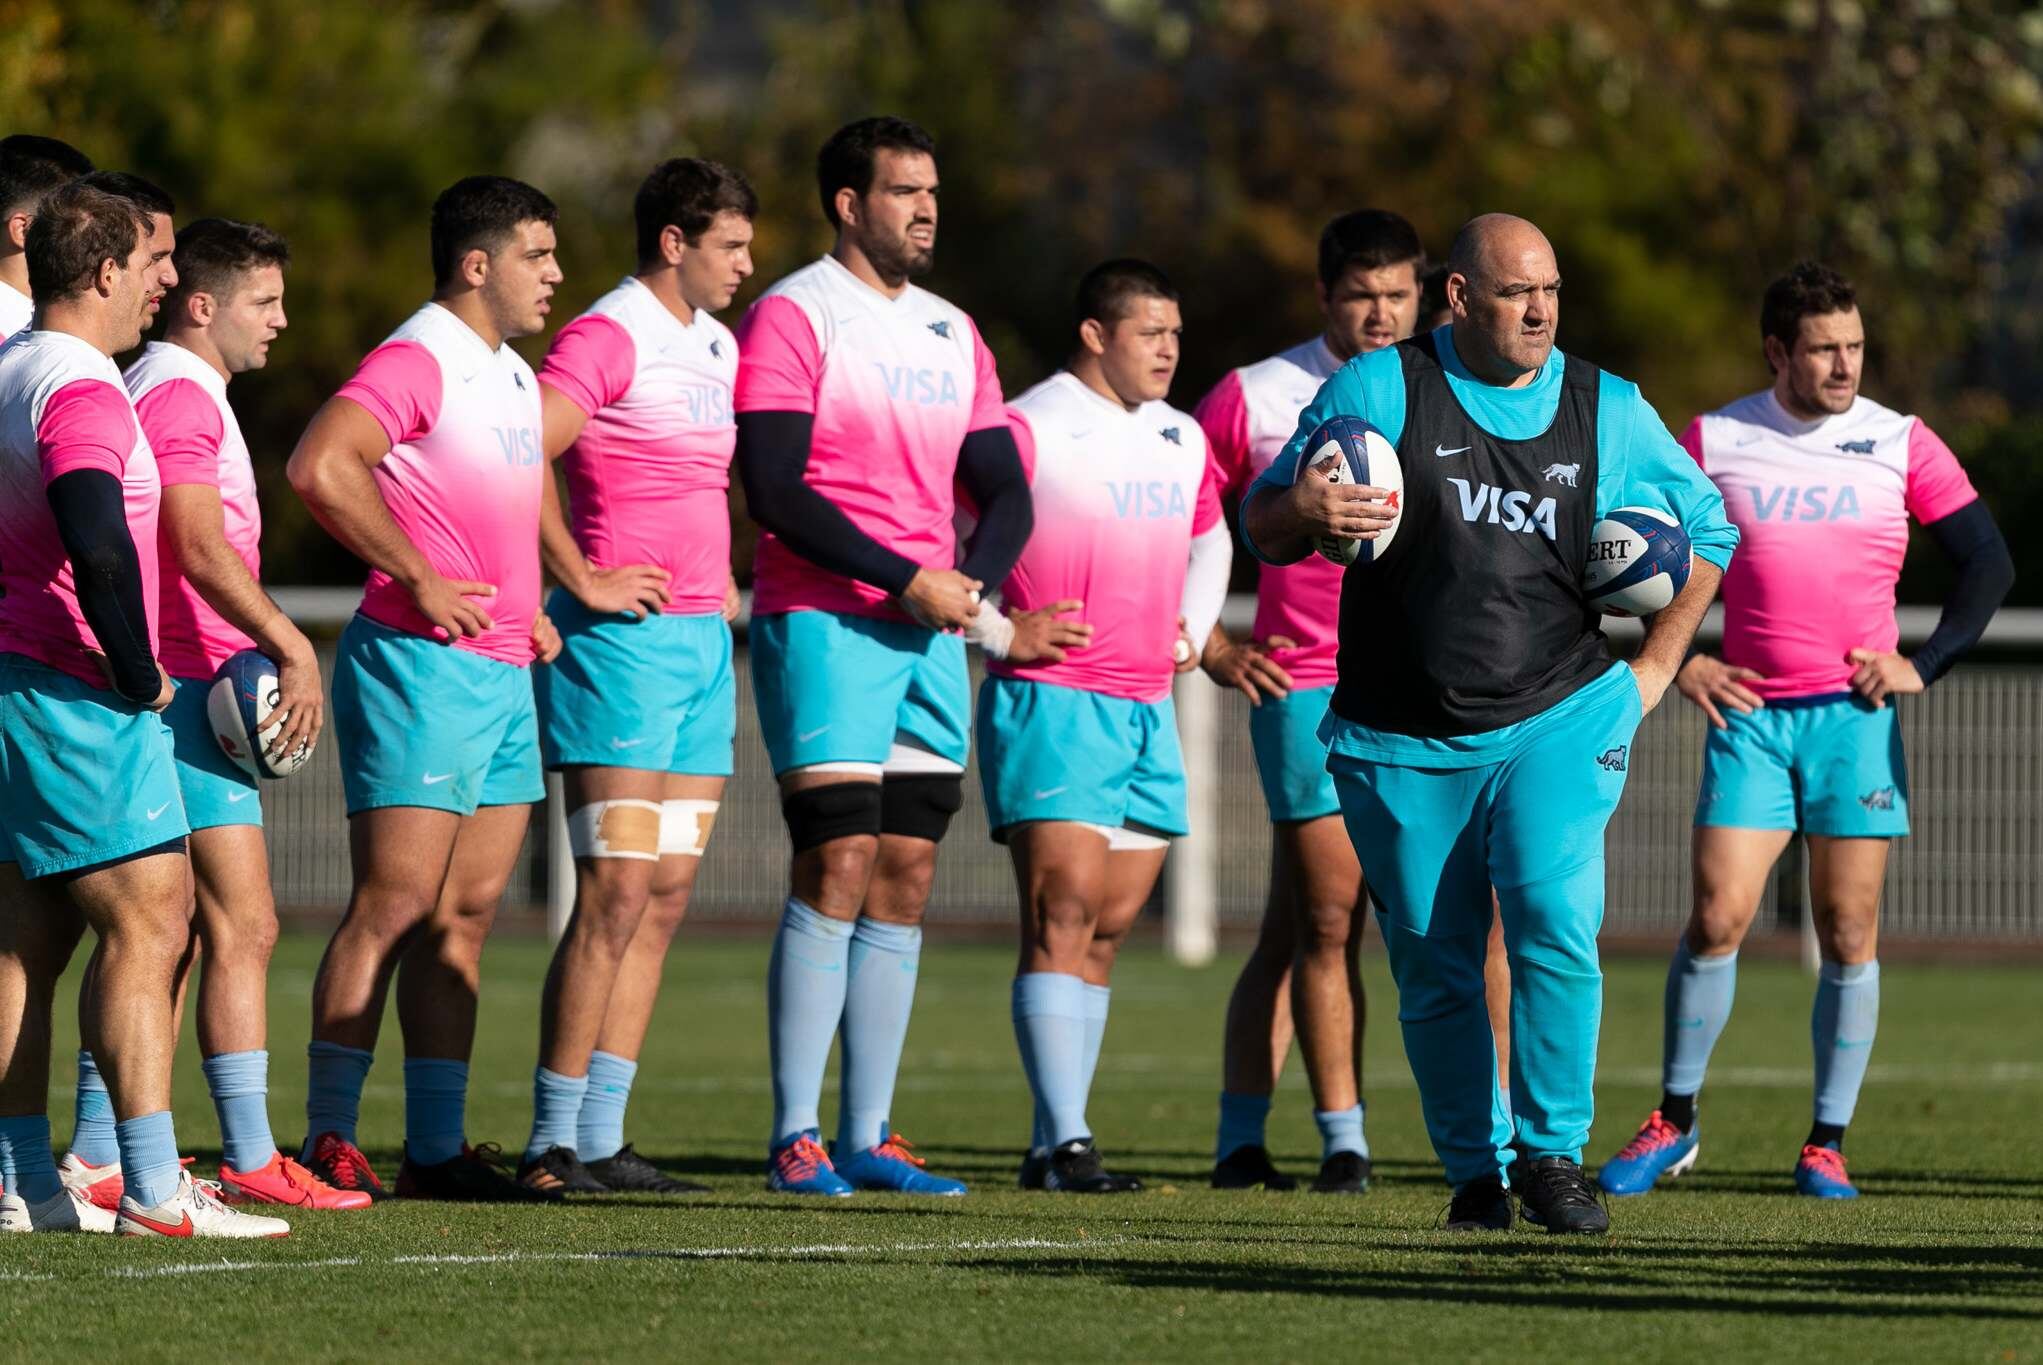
(1513, 510)
(924, 388)
(1813, 503)
(707, 405)
(520, 445)
(1149, 501)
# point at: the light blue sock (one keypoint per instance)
(92, 1137)
(1842, 1025)
(240, 1082)
(1244, 1119)
(879, 995)
(1699, 991)
(1097, 1000)
(334, 1076)
(1340, 1130)
(1049, 1027)
(31, 1168)
(556, 1110)
(435, 1109)
(148, 1157)
(599, 1128)
(804, 1002)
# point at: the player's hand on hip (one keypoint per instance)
(444, 602)
(634, 590)
(942, 599)
(1880, 676)
(1244, 664)
(732, 602)
(299, 700)
(165, 690)
(1041, 637)
(1711, 683)
(1346, 511)
(545, 638)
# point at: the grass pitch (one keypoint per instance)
(1941, 1260)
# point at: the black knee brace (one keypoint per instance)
(816, 815)
(920, 805)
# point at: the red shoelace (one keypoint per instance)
(1829, 1159)
(1655, 1134)
(800, 1159)
(351, 1170)
(898, 1148)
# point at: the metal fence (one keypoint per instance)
(1972, 870)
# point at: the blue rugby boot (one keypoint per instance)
(1820, 1174)
(1658, 1149)
(893, 1168)
(801, 1166)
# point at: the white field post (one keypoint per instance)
(1191, 910)
(560, 865)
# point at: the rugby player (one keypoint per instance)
(1079, 757)
(30, 167)
(640, 709)
(1479, 732)
(92, 819)
(862, 402)
(428, 465)
(1821, 482)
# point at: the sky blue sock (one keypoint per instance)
(1699, 991)
(1243, 1122)
(879, 995)
(1340, 1130)
(333, 1090)
(1842, 1025)
(556, 1110)
(599, 1128)
(240, 1082)
(31, 1169)
(1049, 1027)
(804, 1002)
(435, 1109)
(92, 1137)
(149, 1158)
(1097, 999)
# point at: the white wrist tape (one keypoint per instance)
(991, 630)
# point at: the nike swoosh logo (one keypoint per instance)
(431, 781)
(1848, 1043)
(181, 1228)
(159, 810)
(1688, 1023)
(1442, 452)
(808, 735)
(1046, 793)
(1750, 440)
(1081, 435)
(626, 743)
(819, 966)
(236, 798)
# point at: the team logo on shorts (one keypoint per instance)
(1612, 760)
(1879, 798)
(942, 329)
(1864, 447)
(1170, 434)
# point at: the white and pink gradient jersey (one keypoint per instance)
(1119, 496)
(182, 404)
(1247, 418)
(648, 478)
(1822, 512)
(895, 385)
(462, 479)
(16, 310)
(63, 408)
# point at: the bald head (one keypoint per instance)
(1493, 242)
(1504, 290)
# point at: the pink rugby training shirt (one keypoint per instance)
(895, 385)
(462, 479)
(1248, 417)
(182, 404)
(1822, 512)
(62, 408)
(648, 476)
(1119, 496)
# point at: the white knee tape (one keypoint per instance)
(685, 826)
(627, 828)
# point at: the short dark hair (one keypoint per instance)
(688, 193)
(1371, 239)
(846, 161)
(1109, 288)
(148, 197)
(32, 166)
(481, 211)
(213, 252)
(78, 229)
(1809, 289)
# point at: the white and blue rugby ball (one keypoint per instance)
(1638, 562)
(1349, 450)
(242, 709)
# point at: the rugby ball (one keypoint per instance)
(1349, 450)
(1638, 562)
(242, 709)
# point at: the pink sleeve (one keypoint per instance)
(183, 425)
(780, 365)
(399, 383)
(987, 408)
(1206, 512)
(87, 424)
(1691, 440)
(1223, 416)
(1937, 485)
(590, 363)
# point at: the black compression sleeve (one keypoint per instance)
(990, 468)
(92, 520)
(773, 451)
(1969, 538)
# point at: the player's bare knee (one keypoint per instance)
(1848, 934)
(1325, 930)
(1718, 924)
